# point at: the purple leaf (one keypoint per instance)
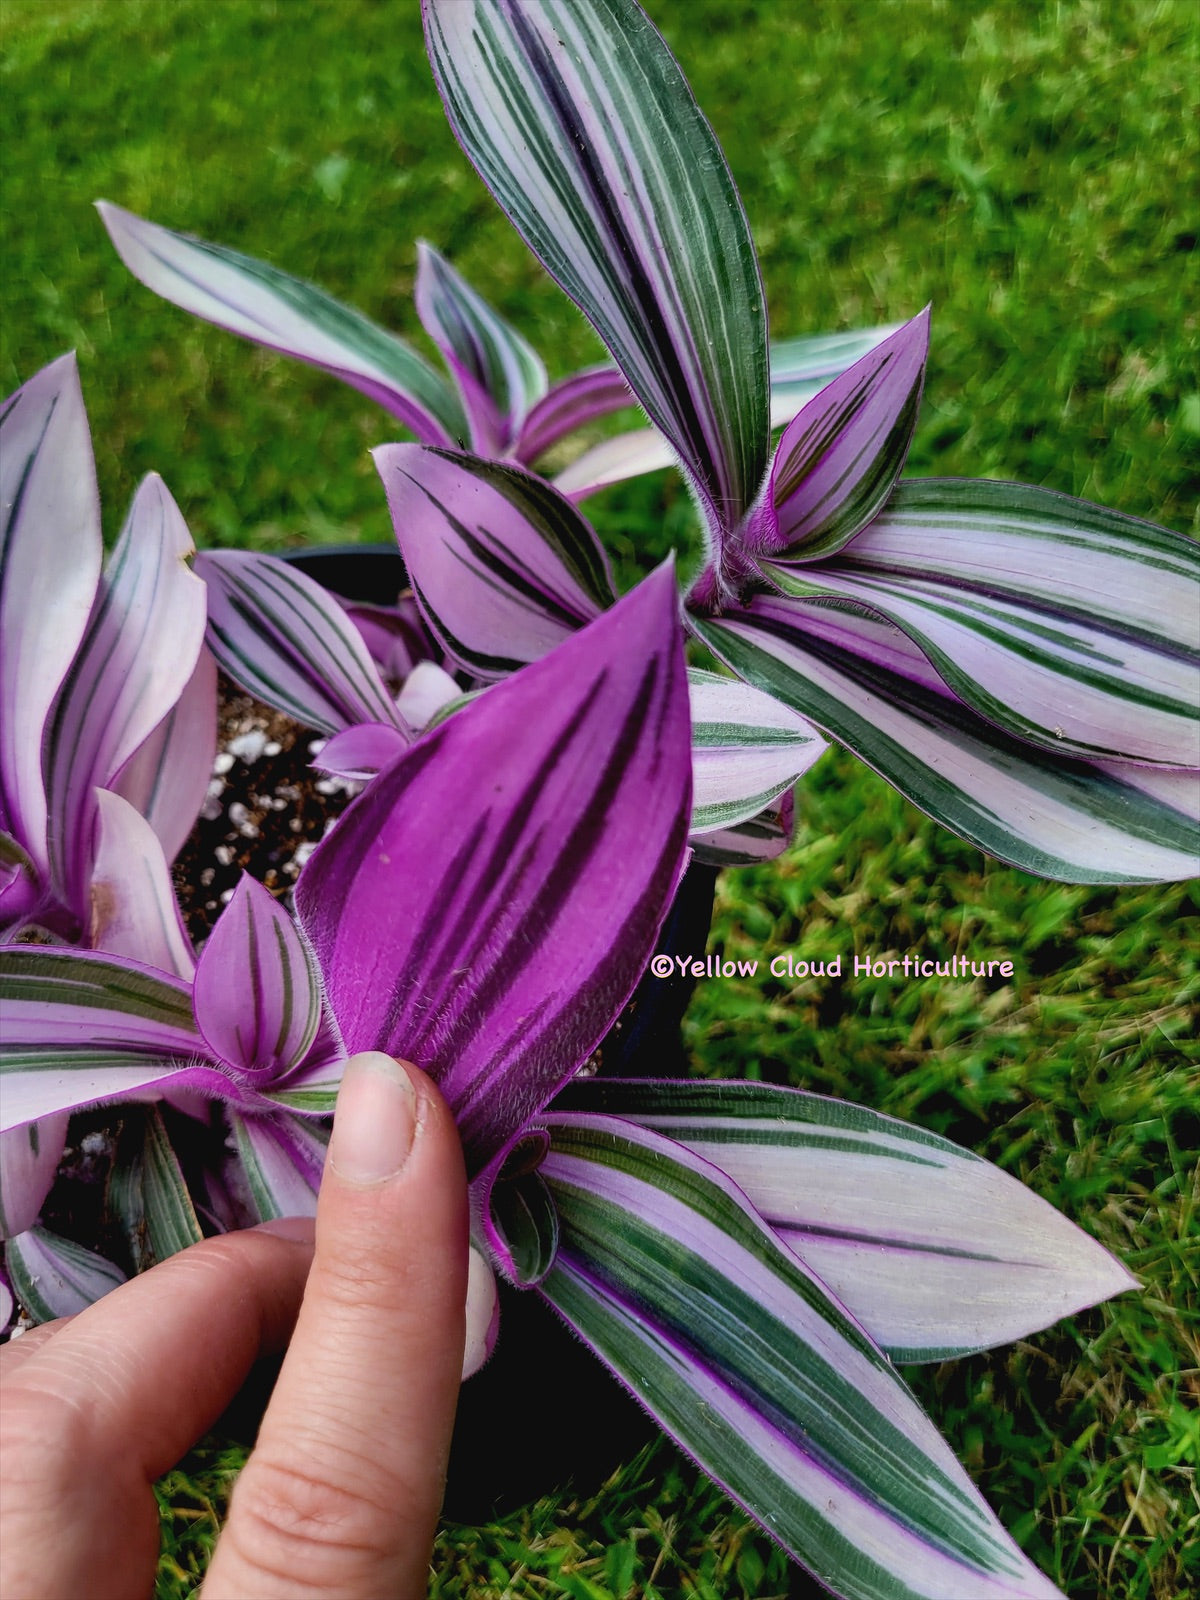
(362, 751)
(272, 308)
(134, 911)
(395, 636)
(287, 641)
(136, 659)
(167, 777)
(487, 906)
(570, 404)
(499, 374)
(50, 554)
(257, 992)
(838, 461)
(502, 566)
(582, 125)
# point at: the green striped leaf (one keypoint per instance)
(77, 1027)
(665, 1269)
(148, 1194)
(747, 750)
(581, 123)
(936, 1252)
(55, 1277)
(274, 309)
(1064, 623)
(866, 684)
(499, 374)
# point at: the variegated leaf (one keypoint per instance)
(55, 1277)
(77, 1027)
(801, 367)
(839, 459)
(50, 555)
(503, 568)
(935, 1251)
(137, 658)
(581, 123)
(667, 1272)
(287, 641)
(499, 374)
(866, 684)
(166, 778)
(281, 1159)
(285, 314)
(1067, 624)
(148, 1193)
(747, 749)
(569, 404)
(762, 838)
(257, 992)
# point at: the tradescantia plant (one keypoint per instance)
(107, 715)
(708, 1241)
(1020, 664)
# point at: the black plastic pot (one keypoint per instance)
(506, 1450)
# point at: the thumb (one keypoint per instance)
(342, 1491)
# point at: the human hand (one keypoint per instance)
(341, 1493)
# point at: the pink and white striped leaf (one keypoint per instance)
(284, 639)
(281, 1159)
(747, 750)
(802, 366)
(866, 684)
(839, 459)
(503, 567)
(665, 1269)
(1066, 624)
(136, 659)
(257, 992)
(50, 555)
(494, 943)
(272, 308)
(29, 1158)
(77, 1027)
(55, 1277)
(581, 123)
(762, 838)
(134, 910)
(166, 778)
(936, 1252)
(499, 374)
(800, 369)
(569, 404)
(625, 455)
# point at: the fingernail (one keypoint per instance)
(375, 1119)
(302, 1229)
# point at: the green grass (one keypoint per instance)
(1026, 168)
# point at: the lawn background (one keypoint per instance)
(1028, 168)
